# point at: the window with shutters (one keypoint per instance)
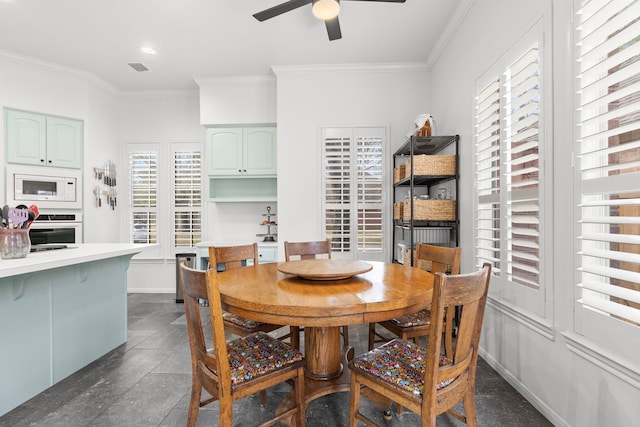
(608, 173)
(508, 148)
(353, 191)
(187, 196)
(143, 194)
(159, 208)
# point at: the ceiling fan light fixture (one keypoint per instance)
(326, 9)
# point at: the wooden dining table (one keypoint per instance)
(322, 305)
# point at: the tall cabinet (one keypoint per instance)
(425, 193)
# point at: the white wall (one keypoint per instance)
(163, 118)
(310, 98)
(237, 101)
(42, 87)
(102, 224)
(569, 389)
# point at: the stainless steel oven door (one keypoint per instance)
(55, 232)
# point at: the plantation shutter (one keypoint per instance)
(143, 195)
(353, 190)
(609, 160)
(187, 196)
(370, 193)
(509, 214)
(337, 191)
(488, 176)
(521, 169)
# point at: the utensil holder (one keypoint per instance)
(14, 243)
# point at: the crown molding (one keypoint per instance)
(263, 79)
(350, 68)
(448, 32)
(57, 68)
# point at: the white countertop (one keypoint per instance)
(74, 254)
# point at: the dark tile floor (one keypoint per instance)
(146, 382)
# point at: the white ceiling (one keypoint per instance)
(210, 38)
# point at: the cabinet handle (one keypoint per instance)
(49, 161)
(240, 170)
(42, 160)
(244, 170)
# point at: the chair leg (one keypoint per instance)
(301, 418)
(194, 405)
(345, 336)
(294, 337)
(263, 398)
(226, 411)
(372, 335)
(470, 408)
(354, 401)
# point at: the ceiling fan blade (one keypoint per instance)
(382, 1)
(280, 9)
(333, 28)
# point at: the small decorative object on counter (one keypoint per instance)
(269, 237)
(14, 243)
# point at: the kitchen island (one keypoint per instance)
(59, 311)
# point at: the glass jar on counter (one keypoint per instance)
(14, 243)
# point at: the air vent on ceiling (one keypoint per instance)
(138, 66)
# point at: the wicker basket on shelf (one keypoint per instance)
(398, 209)
(430, 210)
(440, 165)
(399, 173)
(407, 255)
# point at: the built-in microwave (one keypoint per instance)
(52, 188)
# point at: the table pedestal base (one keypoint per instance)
(325, 373)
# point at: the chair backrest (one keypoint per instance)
(469, 292)
(307, 250)
(198, 285)
(227, 257)
(438, 259)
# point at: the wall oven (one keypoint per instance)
(56, 228)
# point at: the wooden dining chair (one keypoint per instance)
(435, 259)
(312, 250)
(223, 258)
(238, 368)
(422, 379)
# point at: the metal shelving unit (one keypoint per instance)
(408, 232)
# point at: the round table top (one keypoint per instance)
(266, 294)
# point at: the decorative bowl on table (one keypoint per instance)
(324, 269)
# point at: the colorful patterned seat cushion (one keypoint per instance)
(401, 363)
(421, 318)
(258, 354)
(241, 321)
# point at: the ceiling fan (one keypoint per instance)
(327, 10)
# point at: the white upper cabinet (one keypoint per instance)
(36, 139)
(241, 151)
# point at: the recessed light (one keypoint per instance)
(148, 50)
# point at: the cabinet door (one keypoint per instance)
(267, 254)
(260, 151)
(26, 138)
(64, 143)
(224, 152)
